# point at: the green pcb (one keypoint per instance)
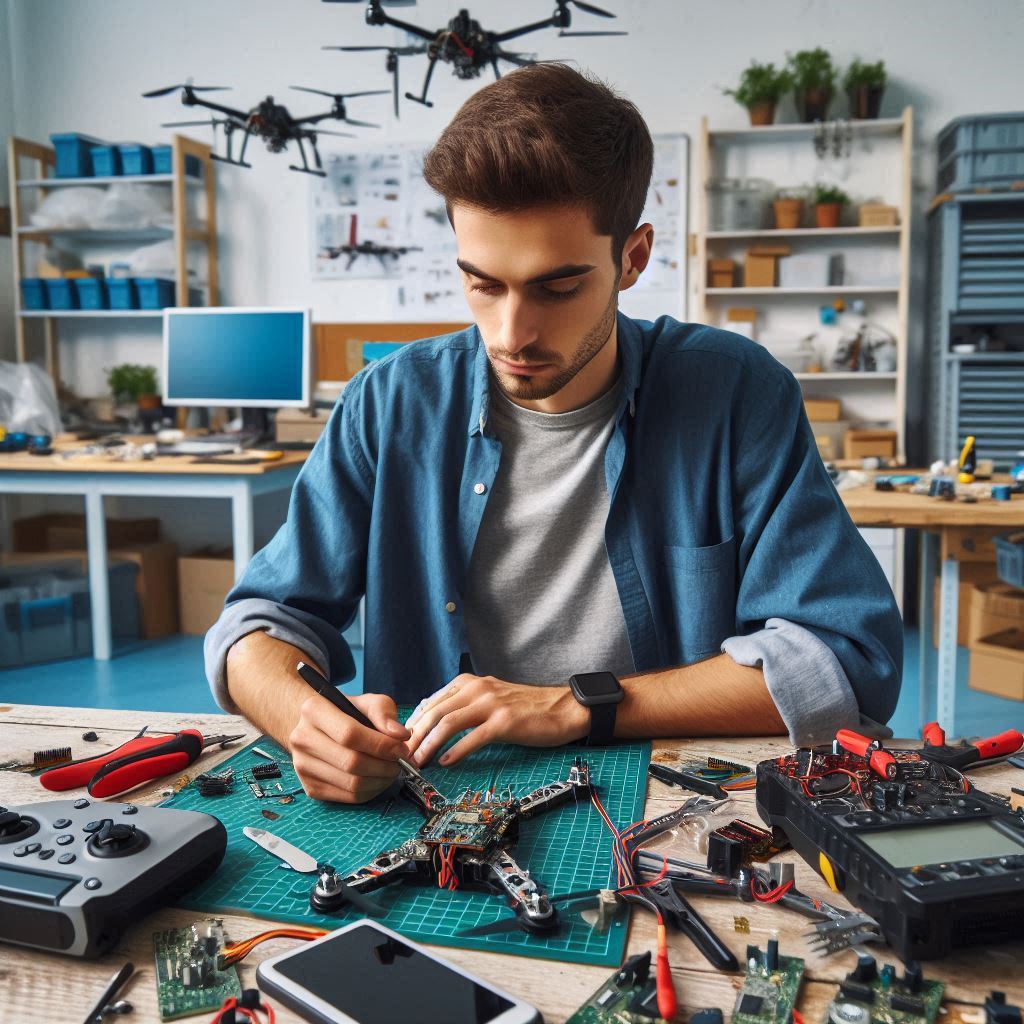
(567, 849)
(187, 979)
(769, 993)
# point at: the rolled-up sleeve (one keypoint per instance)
(304, 586)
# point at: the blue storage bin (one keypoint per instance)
(985, 150)
(121, 293)
(154, 292)
(60, 293)
(1010, 559)
(33, 293)
(163, 157)
(92, 293)
(106, 161)
(136, 159)
(74, 154)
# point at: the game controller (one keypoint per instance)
(75, 873)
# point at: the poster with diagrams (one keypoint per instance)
(373, 216)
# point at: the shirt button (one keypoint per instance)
(450, 607)
(479, 488)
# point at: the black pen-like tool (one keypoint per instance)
(342, 703)
(117, 982)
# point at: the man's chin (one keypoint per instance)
(527, 387)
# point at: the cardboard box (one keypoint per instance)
(994, 606)
(997, 664)
(721, 273)
(877, 215)
(863, 444)
(204, 580)
(972, 575)
(823, 409)
(299, 425)
(156, 583)
(811, 270)
(828, 436)
(59, 531)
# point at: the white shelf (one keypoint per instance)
(791, 132)
(851, 375)
(805, 233)
(836, 289)
(100, 236)
(85, 314)
(118, 179)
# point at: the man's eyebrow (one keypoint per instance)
(567, 270)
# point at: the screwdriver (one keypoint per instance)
(342, 703)
(142, 759)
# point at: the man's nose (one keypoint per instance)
(518, 325)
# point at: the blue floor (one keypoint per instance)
(167, 675)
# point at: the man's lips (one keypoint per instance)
(521, 369)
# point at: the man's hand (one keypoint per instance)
(338, 759)
(496, 712)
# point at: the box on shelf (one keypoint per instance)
(60, 293)
(972, 576)
(997, 664)
(122, 293)
(828, 436)
(136, 159)
(877, 215)
(163, 161)
(811, 270)
(154, 292)
(742, 320)
(994, 606)
(981, 150)
(760, 269)
(823, 409)
(51, 531)
(74, 154)
(33, 293)
(863, 444)
(204, 580)
(92, 293)
(721, 273)
(106, 161)
(299, 425)
(45, 612)
(1010, 558)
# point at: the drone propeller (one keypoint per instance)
(516, 58)
(589, 8)
(566, 35)
(383, 3)
(512, 924)
(186, 85)
(339, 95)
(212, 121)
(398, 51)
(343, 135)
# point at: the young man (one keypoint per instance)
(558, 494)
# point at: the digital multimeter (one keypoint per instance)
(936, 862)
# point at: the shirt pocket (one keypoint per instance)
(701, 586)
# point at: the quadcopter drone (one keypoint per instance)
(462, 843)
(268, 121)
(354, 249)
(464, 43)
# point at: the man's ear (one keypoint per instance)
(636, 254)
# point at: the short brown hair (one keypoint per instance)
(547, 135)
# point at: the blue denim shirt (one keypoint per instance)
(722, 523)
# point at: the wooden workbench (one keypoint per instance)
(50, 989)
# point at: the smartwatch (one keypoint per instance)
(602, 693)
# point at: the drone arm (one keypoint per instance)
(514, 33)
(421, 33)
(418, 790)
(383, 869)
(239, 115)
(526, 895)
(315, 118)
(545, 797)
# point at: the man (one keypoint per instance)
(558, 492)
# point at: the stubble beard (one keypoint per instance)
(533, 389)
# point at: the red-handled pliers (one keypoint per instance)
(968, 753)
(880, 761)
(142, 759)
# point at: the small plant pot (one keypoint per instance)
(826, 215)
(762, 113)
(788, 213)
(866, 101)
(813, 104)
(149, 402)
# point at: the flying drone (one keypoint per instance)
(268, 121)
(463, 42)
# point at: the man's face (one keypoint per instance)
(543, 288)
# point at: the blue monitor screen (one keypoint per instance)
(236, 357)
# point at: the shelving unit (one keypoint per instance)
(879, 168)
(188, 234)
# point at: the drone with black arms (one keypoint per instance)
(388, 255)
(463, 843)
(464, 42)
(269, 121)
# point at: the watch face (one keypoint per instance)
(595, 685)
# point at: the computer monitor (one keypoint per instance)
(240, 356)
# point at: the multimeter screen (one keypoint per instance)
(941, 844)
(376, 979)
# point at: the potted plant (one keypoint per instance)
(814, 77)
(789, 209)
(132, 383)
(864, 85)
(759, 90)
(828, 205)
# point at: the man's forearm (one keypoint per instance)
(716, 697)
(262, 681)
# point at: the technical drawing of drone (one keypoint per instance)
(463, 843)
(353, 249)
(464, 43)
(268, 121)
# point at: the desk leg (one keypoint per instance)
(241, 529)
(99, 580)
(929, 546)
(949, 611)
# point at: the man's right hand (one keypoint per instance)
(338, 759)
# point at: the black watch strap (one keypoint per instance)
(602, 724)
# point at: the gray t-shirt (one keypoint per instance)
(541, 602)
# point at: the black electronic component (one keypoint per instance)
(734, 846)
(709, 1016)
(634, 971)
(910, 841)
(866, 969)
(860, 991)
(266, 770)
(907, 1004)
(998, 1011)
(214, 784)
(750, 1004)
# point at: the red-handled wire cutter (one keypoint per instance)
(968, 753)
(880, 761)
(142, 759)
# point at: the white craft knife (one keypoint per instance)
(295, 858)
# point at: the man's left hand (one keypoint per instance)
(495, 712)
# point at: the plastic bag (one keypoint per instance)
(28, 401)
(72, 207)
(156, 260)
(130, 206)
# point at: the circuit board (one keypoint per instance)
(629, 996)
(769, 990)
(873, 996)
(187, 979)
(566, 849)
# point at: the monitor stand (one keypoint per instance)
(256, 425)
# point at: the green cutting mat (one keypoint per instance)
(565, 850)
